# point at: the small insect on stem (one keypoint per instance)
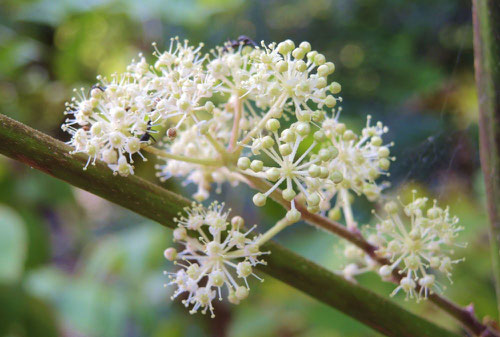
(242, 40)
(147, 135)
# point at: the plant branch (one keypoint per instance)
(486, 22)
(44, 153)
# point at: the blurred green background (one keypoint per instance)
(72, 264)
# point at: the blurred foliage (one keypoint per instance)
(74, 265)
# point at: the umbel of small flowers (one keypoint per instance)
(217, 258)
(299, 172)
(361, 160)
(419, 241)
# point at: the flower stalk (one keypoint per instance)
(486, 25)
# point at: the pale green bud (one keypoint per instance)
(267, 142)
(273, 174)
(306, 46)
(285, 149)
(383, 152)
(273, 125)
(330, 101)
(313, 199)
(335, 88)
(376, 141)
(288, 194)
(319, 59)
(314, 171)
(298, 54)
(319, 136)
(259, 199)
(282, 66)
(391, 207)
(384, 164)
(301, 65)
(243, 163)
(256, 165)
(336, 177)
(303, 128)
(293, 215)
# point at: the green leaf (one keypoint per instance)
(12, 245)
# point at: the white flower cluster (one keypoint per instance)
(419, 241)
(251, 85)
(303, 172)
(267, 113)
(332, 162)
(111, 122)
(216, 255)
(362, 158)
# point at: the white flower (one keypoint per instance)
(178, 83)
(111, 122)
(419, 243)
(216, 253)
(362, 158)
(300, 173)
(299, 76)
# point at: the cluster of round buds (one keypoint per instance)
(299, 76)
(299, 172)
(418, 241)
(217, 257)
(362, 158)
(238, 73)
(178, 82)
(111, 123)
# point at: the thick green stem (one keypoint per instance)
(52, 157)
(486, 17)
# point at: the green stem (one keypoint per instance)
(347, 210)
(486, 17)
(217, 146)
(163, 154)
(262, 122)
(271, 232)
(42, 152)
(235, 132)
